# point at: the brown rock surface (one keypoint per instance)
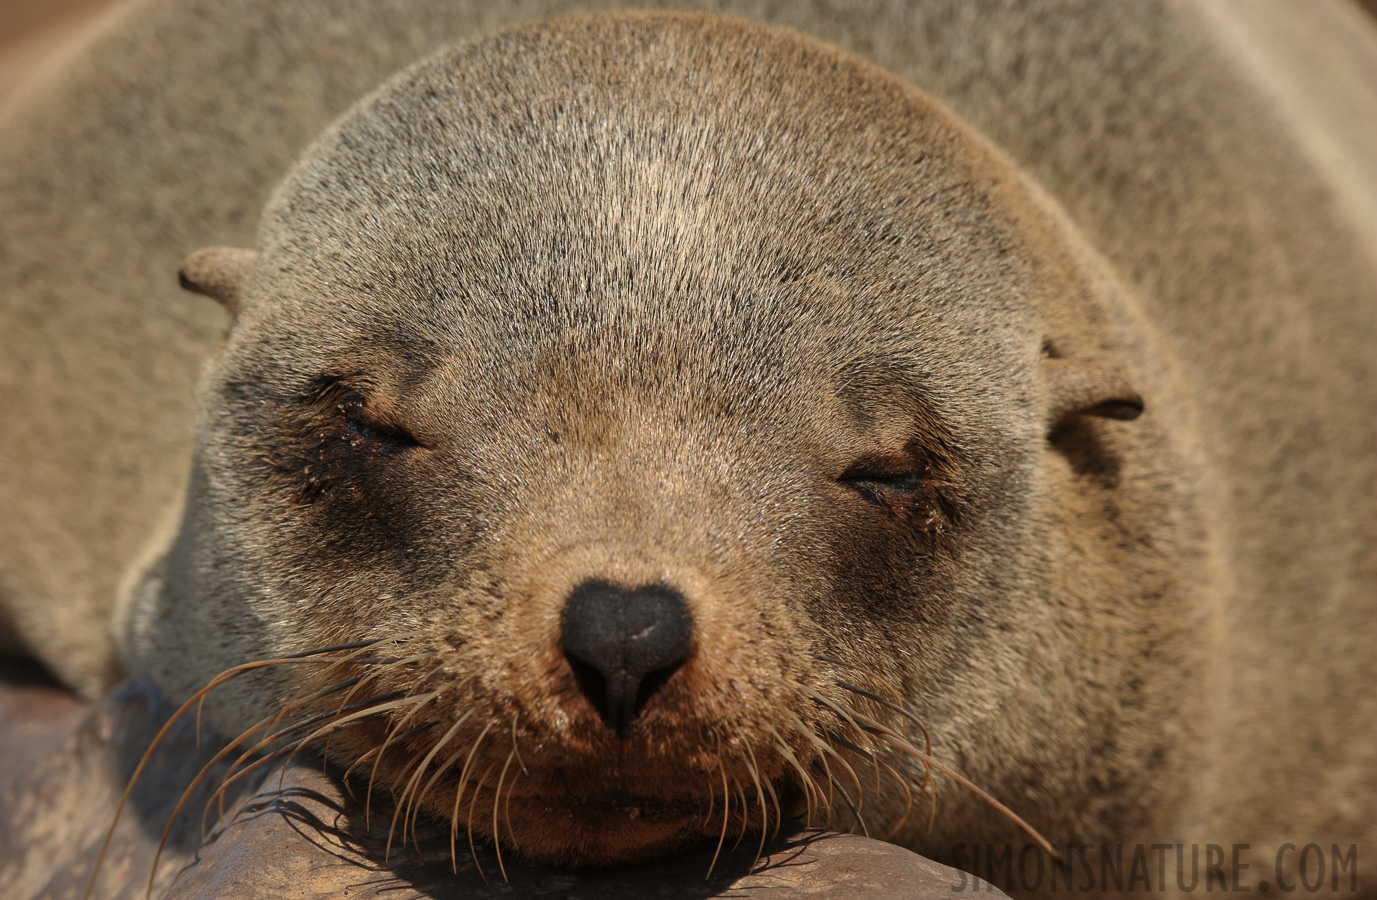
(64, 764)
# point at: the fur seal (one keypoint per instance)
(664, 390)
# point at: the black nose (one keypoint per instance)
(623, 645)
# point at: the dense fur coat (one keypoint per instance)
(694, 302)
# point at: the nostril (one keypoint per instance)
(652, 683)
(623, 645)
(591, 684)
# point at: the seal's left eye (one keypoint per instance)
(383, 437)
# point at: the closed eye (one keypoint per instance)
(874, 485)
(384, 437)
(887, 481)
(896, 491)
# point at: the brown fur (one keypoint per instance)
(662, 300)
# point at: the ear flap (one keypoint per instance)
(1088, 389)
(221, 273)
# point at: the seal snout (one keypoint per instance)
(624, 644)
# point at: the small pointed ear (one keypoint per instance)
(1088, 389)
(221, 273)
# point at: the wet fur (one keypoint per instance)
(1118, 628)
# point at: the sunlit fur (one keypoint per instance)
(667, 300)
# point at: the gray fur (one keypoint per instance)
(1129, 631)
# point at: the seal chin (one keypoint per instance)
(617, 827)
(604, 829)
(640, 806)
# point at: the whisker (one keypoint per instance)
(416, 776)
(299, 657)
(779, 810)
(440, 770)
(383, 665)
(354, 645)
(712, 803)
(831, 751)
(745, 816)
(846, 715)
(865, 754)
(823, 751)
(205, 771)
(380, 705)
(349, 771)
(760, 798)
(273, 735)
(521, 769)
(908, 798)
(458, 795)
(836, 785)
(296, 702)
(496, 836)
(226, 676)
(521, 763)
(870, 726)
(908, 794)
(888, 685)
(406, 735)
(482, 779)
(896, 707)
(186, 794)
(355, 654)
(232, 776)
(904, 746)
(726, 811)
(291, 748)
(805, 782)
(419, 702)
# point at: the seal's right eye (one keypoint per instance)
(355, 423)
(895, 484)
(904, 484)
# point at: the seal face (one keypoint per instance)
(671, 396)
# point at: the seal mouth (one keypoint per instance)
(569, 800)
(612, 827)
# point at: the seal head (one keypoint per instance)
(683, 397)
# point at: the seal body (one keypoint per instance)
(678, 390)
